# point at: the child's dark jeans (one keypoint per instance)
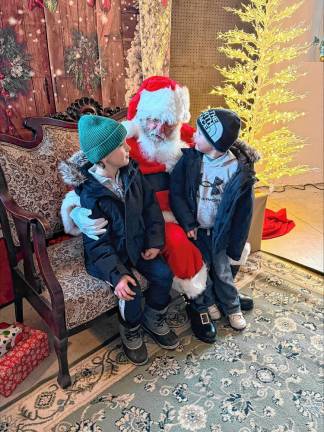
(220, 287)
(157, 295)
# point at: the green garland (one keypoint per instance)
(51, 5)
(82, 63)
(15, 71)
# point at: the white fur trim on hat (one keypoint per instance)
(70, 201)
(191, 287)
(165, 104)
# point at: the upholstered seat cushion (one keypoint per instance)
(85, 296)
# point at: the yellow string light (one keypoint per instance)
(252, 90)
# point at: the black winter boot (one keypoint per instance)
(133, 343)
(246, 302)
(154, 323)
(201, 324)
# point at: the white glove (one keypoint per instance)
(92, 228)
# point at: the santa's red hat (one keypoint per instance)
(161, 98)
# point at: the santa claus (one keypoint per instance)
(157, 131)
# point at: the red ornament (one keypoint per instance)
(1, 76)
(9, 112)
(91, 3)
(106, 5)
(164, 3)
(11, 130)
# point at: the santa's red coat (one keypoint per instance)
(180, 253)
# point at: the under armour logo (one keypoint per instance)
(216, 185)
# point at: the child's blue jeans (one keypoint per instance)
(157, 295)
(220, 287)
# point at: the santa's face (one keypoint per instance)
(157, 130)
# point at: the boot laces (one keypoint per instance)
(133, 334)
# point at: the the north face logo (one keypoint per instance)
(212, 125)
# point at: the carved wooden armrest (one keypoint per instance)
(19, 213)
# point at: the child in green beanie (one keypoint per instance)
(112, 187)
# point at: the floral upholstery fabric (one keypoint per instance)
(32, 175)
(85, 296)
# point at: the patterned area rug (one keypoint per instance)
(265, 379)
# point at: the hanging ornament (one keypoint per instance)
(164, 3)
(91, 3)
(106, 5)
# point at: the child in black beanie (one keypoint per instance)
(211, 195)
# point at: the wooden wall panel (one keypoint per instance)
(29, 27)
(70, 16)
(48, 35)
(111, 50)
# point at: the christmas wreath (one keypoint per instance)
(15, 72)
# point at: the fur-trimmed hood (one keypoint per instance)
(245, 154)
(243, 151)
(71, 169)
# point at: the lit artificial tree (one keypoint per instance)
(255, 91)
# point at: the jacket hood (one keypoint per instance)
(242, 151)
(73, 170)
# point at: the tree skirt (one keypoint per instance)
(265, 379)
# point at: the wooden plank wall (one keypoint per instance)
(30, 29)
(48, 35)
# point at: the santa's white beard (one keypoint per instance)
(167, 151)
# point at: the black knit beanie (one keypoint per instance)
(221, 127)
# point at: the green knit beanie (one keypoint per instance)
(99, 136)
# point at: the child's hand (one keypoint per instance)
(122, 290)
(150, 254)
(192, 233)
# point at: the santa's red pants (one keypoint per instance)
(183, 257)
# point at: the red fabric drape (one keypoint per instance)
(276, 224)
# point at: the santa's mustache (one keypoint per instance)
(155, 135)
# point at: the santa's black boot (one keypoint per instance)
(246, 302)
(201, 324)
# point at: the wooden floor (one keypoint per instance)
(304, 243)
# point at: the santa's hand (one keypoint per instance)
(92, 228)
